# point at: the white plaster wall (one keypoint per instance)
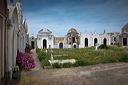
(56, 46)
(9, 48)
(49, 41)
(15, 40)
(15, 47)
(81, 41)
(12, 43)
(91, 38)
(22, 39)
(21, 44)
(38, 43)
(66, 45)
(52, 42)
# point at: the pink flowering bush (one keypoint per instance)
(25, 61)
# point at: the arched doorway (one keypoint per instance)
(86, 42)
(73, 39)
(44, 43)
(60, 45)
(124, 41)
(74, 46)
(95, 41)
(105, 41)
(32, 44)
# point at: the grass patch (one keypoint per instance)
(84, 56)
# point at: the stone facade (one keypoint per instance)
(59, 41)
(115, 40)
(3, 19)
(124, 36)
(33, 42)
(16, 33)
(45, 39)
(73, 39)
(88, 40)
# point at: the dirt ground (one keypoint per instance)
(102, 74)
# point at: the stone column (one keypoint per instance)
(122, 41)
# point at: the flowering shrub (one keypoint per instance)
(20, 59)
(25, 61)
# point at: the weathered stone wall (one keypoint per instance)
(3, 15)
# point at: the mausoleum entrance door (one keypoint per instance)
(61, 45)
(44, 43)
(105, 41)
(86, 42)
(95, 41)
(32, 44)
(124, 41)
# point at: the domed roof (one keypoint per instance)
(72, 30)
(125, 29)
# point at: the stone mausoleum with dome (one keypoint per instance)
(73, 39)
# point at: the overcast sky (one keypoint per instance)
(84, 15)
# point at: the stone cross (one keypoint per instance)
(41, 49)
(52, 57)
(46, 51)
(97, 45)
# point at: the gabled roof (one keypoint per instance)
(42, 31)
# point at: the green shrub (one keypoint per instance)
(124, 58)
(38, 50)
(67, 65)
(103, 46)
(80, 63)
(45, 63)
(57, 65)
(41, 56)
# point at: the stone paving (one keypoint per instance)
(101, 74)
